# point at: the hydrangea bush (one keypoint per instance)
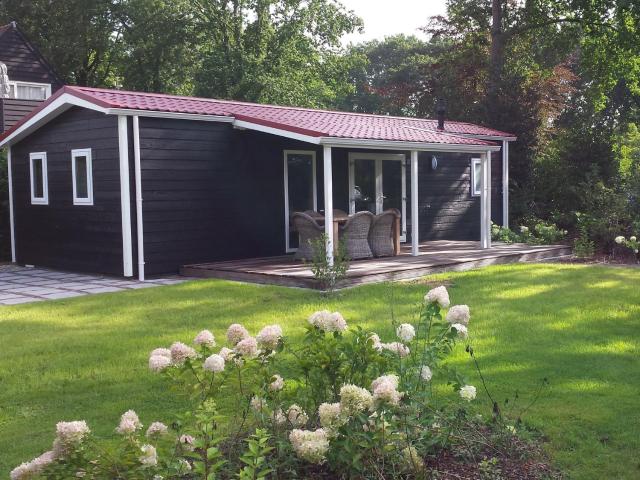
(343, 401)
(631, 243)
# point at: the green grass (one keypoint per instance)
(579, 326)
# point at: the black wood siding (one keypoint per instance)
(12, 110)
(23, 62)
(63, 235)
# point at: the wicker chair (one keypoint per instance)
(355, 233)
(308, 230)
(381, 234)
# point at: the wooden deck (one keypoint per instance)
(435, 256)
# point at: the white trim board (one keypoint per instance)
(125, 200)
(11, 212)
(82, 152)
(44, 200)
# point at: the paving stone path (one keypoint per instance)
(24, 284)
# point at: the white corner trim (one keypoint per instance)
(125, 200)
(11, 212)
(82, 152)
(276, 131)
(44, 200)
(400, 145)
(138, 182)
(55, 108)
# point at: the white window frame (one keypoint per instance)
(16, 83)
(44, 200)
(474, 162)
(287, 214)
(82, 152)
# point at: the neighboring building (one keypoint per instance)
(31, 78)
(125, 183)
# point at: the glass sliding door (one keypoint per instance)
(300, 191)
(377, 182)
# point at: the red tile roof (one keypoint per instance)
(305, 121)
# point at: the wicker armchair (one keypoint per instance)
(381, 235)
(308, 230)
(355, 233)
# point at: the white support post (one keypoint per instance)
(485, 201)
(138, 183)
(125, 199)
(505, 184)
(328, 202)
(415, 241)
(11, 219)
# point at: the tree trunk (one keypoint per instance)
(496, 62)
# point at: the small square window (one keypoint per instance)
(38, 178)
(476, 177)
(82, 176)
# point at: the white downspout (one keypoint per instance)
(138, 183)
(125, 198)
(11, 220)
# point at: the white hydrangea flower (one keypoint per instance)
(309, 445)
(632, 238)
(269, 337)
(354, 399)
(206, 338)
(328, 322)
(180, 352)
(411, 461)
(459, 314)
(278, 417)
(258, 403)
(524, 229)
(375, 342)
(187, 442)
(157, 429)
(214, 363)
(247, 347)
(406, 332)
(277, 383)
(161, 352)
(32, 469)
(158, 363)
(331, 417)
(619, 240)
(461, 330)
(71, 433)
(425, 373)
(468, 392)
(226, 353)
(236, 333)
(438, 295)
(398, 348)
(149, 457)
(297, 416)
(385, 389)
(129, 423)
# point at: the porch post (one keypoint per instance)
(505, 184)
(485, 201)
(415, 241)
(328, 202)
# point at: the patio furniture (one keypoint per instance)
(355, 233)
(308, 231)
(384, 232)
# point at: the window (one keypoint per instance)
(476, 177)
(39, 183)
(29, 90)
(81, 176)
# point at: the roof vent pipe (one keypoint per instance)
(441, 109)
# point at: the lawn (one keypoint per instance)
(579, 326)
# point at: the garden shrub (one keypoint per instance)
(539, 233)
(342, 402)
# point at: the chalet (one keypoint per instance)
(131, 183)
(30, 77)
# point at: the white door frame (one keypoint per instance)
(287, 214)
(379, 158)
